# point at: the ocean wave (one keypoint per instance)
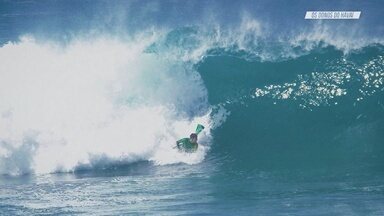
(128, 98)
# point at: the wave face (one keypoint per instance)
(97, 88)
(320, 110)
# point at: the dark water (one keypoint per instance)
(94, 94)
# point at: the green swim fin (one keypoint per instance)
(199, 128)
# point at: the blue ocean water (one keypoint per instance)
(94, 94)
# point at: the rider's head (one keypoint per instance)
(193, 138)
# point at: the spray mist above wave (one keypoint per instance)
(93, 102)
(254, 40)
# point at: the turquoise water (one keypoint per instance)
(193, 190)
(95, 94)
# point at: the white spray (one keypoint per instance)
(100, 100)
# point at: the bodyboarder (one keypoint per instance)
(190, 144)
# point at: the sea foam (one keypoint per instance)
(93, 101)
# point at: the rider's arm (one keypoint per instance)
(178, 142)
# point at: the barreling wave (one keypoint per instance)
(110, 99)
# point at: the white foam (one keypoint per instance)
(62, 107)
